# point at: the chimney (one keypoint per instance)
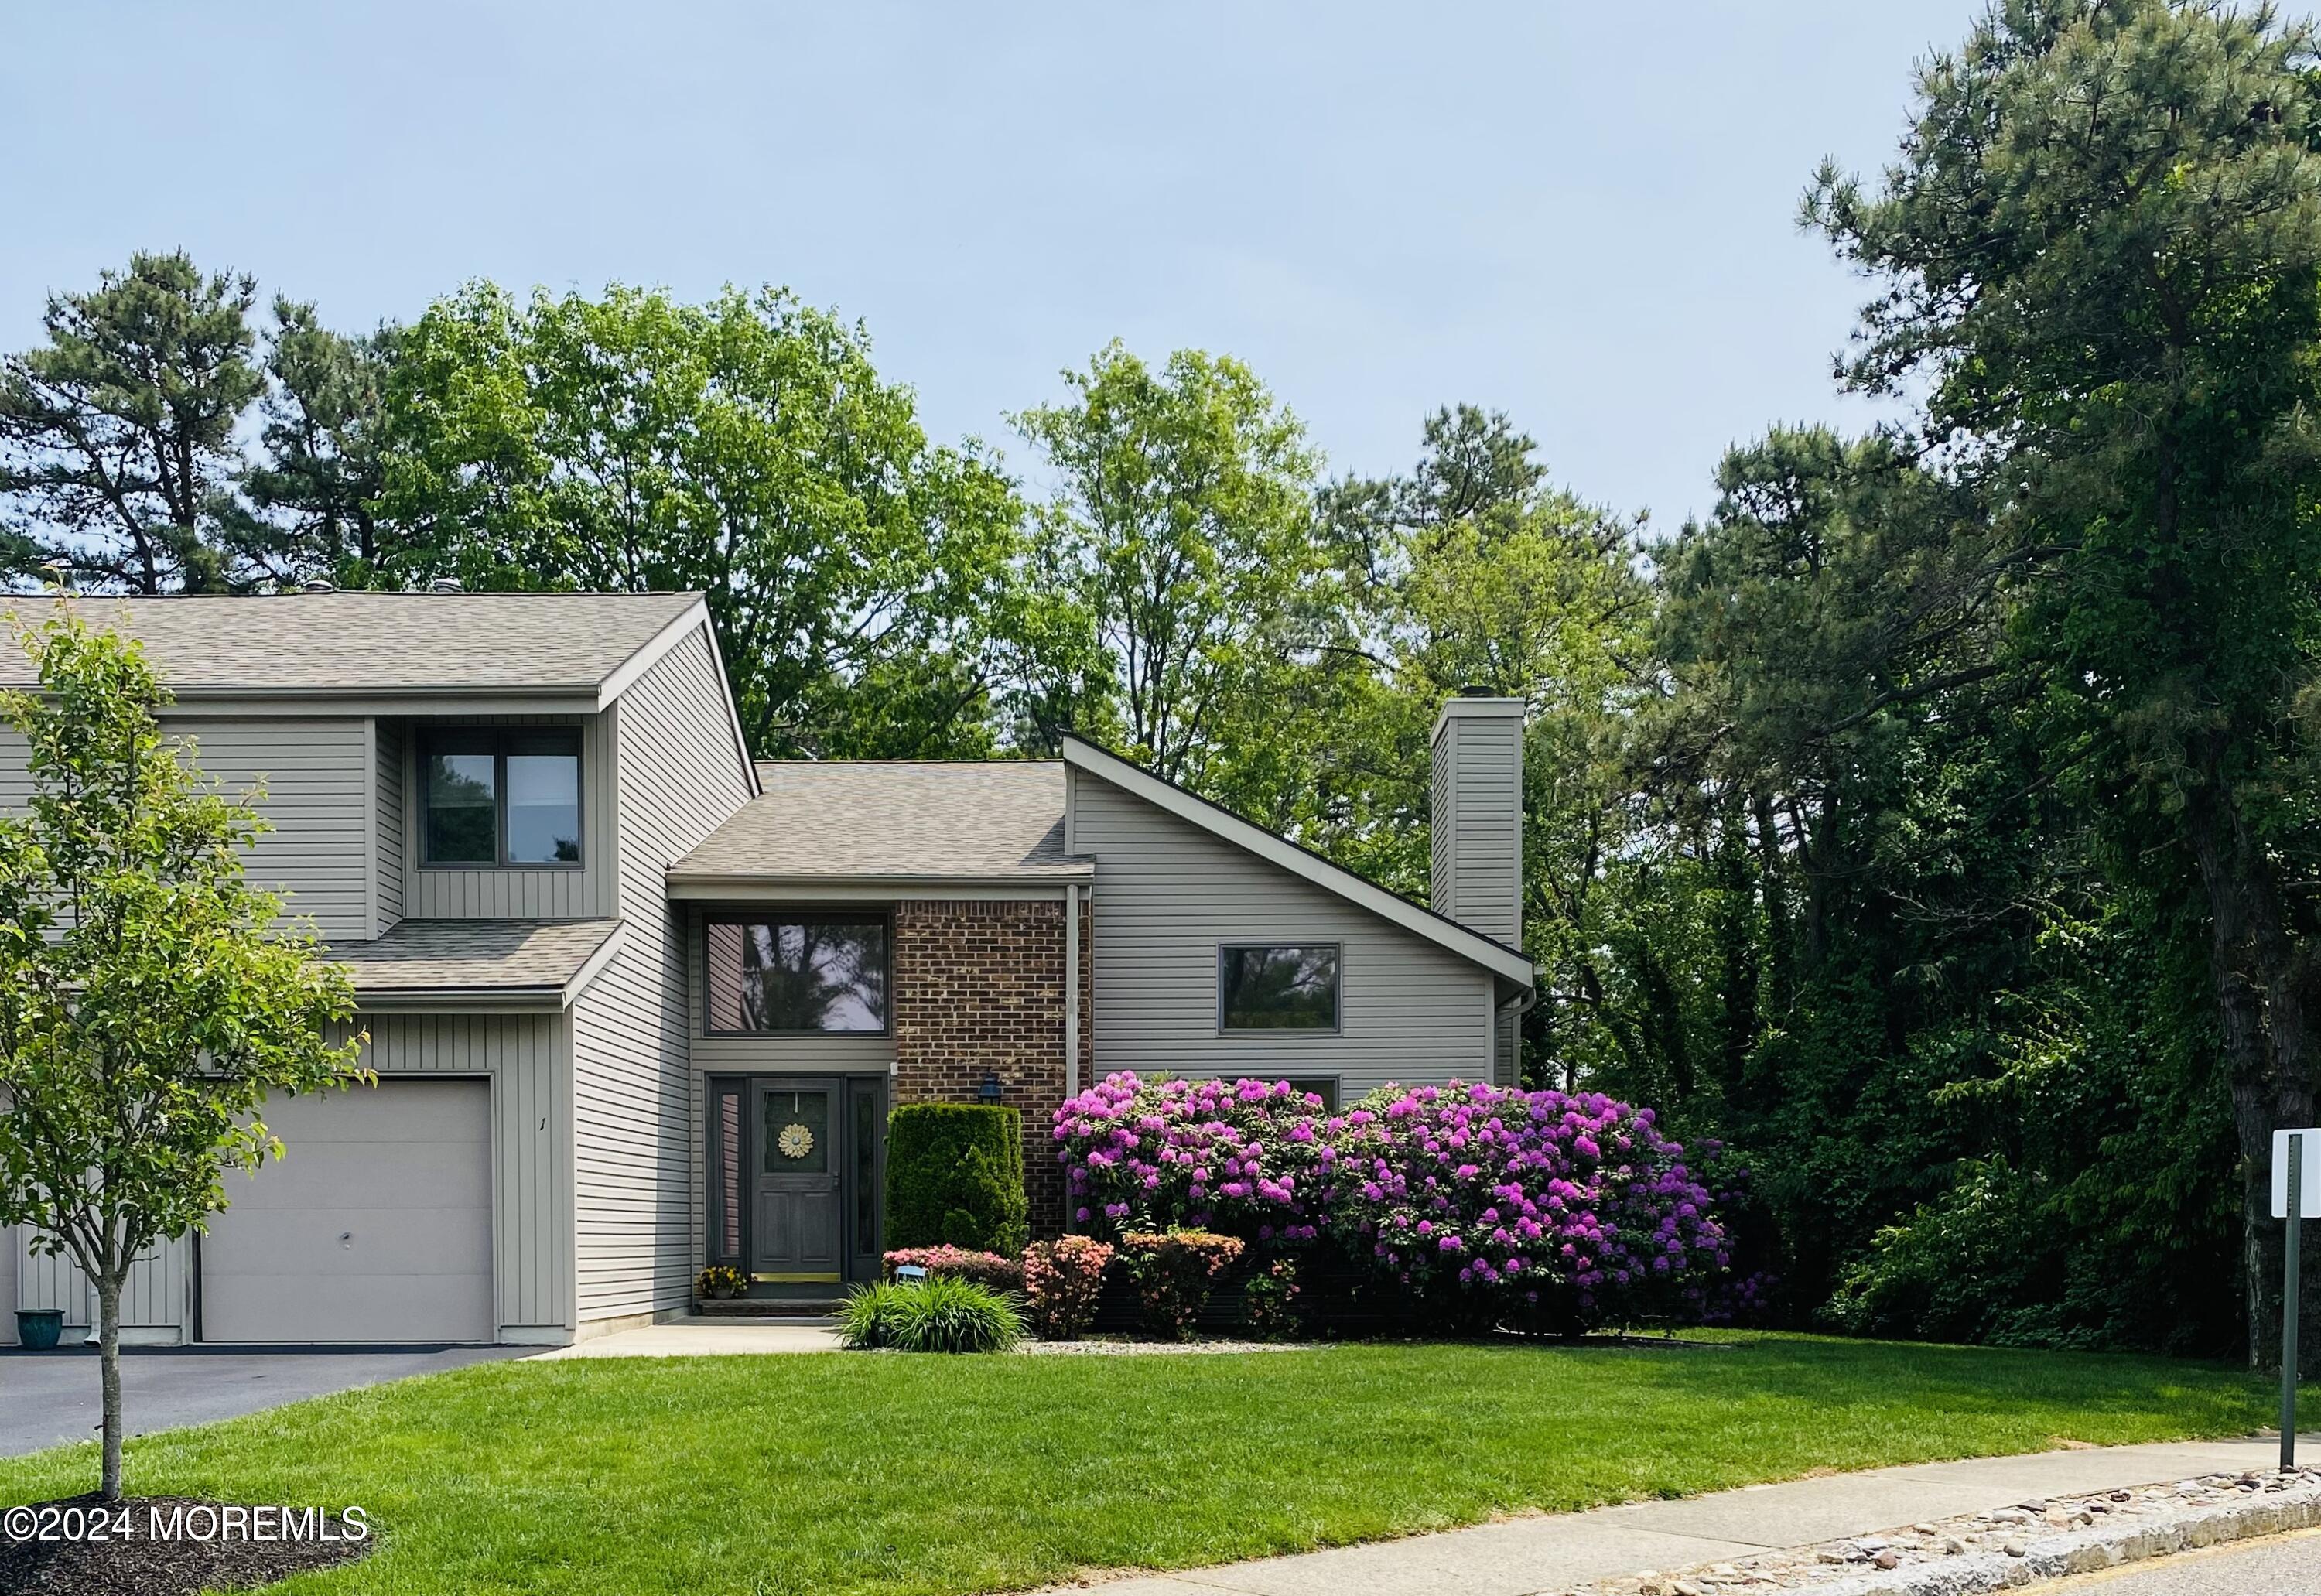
(1476, 754)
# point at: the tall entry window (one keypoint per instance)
(818, 974)
(501, 797)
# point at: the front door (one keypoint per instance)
(798, 1220)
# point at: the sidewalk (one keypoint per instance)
(695, 1336)
(1551, 1552)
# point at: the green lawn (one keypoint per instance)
(889, 1473)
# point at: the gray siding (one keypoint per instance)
(590, 891)
(527, 1058)
(1477, 822)
(1168, 893)
(8, 1245)
(317, 800)
(392, 750)
(677, 777)
(153, 1301)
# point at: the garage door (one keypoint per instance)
(375, 1227)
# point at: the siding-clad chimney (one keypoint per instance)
(1476, 752)
(1477, 815)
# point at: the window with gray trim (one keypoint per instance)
(500, 798)
(1277, 987)
(820, 974)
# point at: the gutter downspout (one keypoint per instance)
(1071, 991)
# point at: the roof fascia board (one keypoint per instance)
(1279, 851)
(713, 889)
(594, 964)
(210, 703)
(529, 999)
(626, 674)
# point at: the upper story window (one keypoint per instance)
(1277, 987)
(823, 974)
(502, 798)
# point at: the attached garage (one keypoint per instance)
(376, 1228)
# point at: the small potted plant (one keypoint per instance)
(720, 1281)
(37, 1328)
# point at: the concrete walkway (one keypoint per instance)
(699, 1337)
(1551, 1552)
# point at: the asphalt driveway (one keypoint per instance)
(49, 1398)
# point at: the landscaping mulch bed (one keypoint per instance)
(1105, 1347)
(202, 1555)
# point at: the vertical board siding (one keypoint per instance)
(524, 1055)
(677, 777)
(1168, 893)
(153, 1298)
(393, 751)
(587, 892)
(317, 801)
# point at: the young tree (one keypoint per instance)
(117, 448)
(149, 1001)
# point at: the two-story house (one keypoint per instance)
(638, 1004)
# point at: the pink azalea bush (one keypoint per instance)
(1062, 1281)
(1240, 1156)
(1547, 1210)
(1000, 1273)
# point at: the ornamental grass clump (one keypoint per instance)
(1238, 1157)
(989, 1269)
(943, 1314)
(1175, 1271)
(1062, 1281)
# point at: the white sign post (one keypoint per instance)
(2296, 1194)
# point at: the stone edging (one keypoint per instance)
(1995, 1551)
(2085, 1551)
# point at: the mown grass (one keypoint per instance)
(891, 1474)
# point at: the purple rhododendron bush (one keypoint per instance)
(1482, 1204)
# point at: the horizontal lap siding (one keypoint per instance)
(1168, 893)
(1485, 860)
(318, 803)
(525, 1056)
(679, 776)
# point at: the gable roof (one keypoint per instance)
(851, 821)
(379, 643)
(1508, 964)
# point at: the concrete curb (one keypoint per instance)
(2085, 1551)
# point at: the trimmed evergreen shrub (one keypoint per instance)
(955, 1178)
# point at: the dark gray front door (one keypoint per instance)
(798, 1221)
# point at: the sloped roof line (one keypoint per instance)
(1509, 964)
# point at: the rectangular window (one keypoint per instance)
(797, 973)
(498, 798)
(1324, 1087)
(1277, 988)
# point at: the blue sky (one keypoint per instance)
(1582, 216)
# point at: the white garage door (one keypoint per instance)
(375, 1227)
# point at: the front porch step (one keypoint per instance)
(764, 1308)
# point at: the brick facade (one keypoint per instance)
(978, 991)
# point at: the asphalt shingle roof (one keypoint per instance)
(380, 643)
(473, 955)
(833, 820)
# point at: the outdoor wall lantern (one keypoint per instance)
(990, 1091)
